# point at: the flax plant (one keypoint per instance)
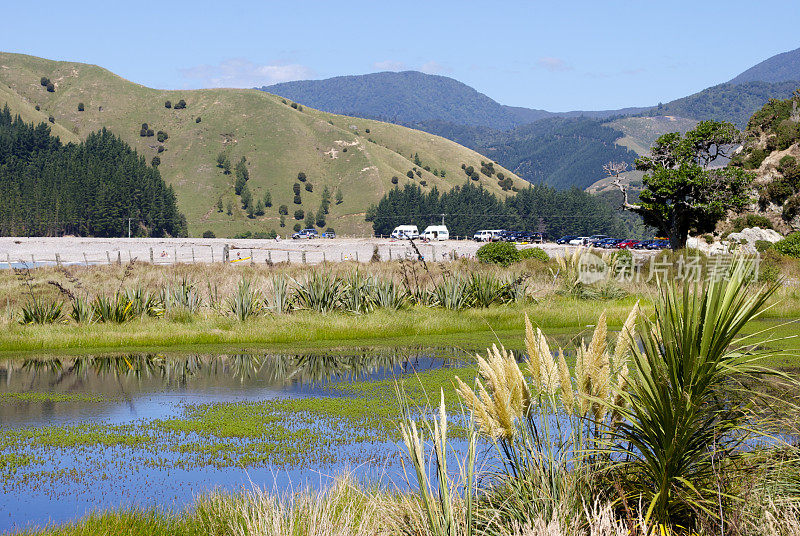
(677, 426)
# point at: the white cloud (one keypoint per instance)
(434, 67)
(389, 65)
(239, 72)
(553, 64)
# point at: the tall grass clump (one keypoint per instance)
(37, 309)
(358, 293)
(485, 289)
(319, 291)
(452, 293)
(280, 300)
(389, 295)
(246, 302)
(446, 510)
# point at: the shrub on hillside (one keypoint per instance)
(789, 246)
(206, 234)
(80, 107)
(161, 136)
(168, 104)
(750, 220)
(298, 200)
(44, 81)
(791, 208)
(181, 105)
(155, 162)
(297, 227)
(283, 210)
(395, 180)
(198, 119)
(51, 88)
(309, 187)
(763, 245)
(502, 253)
(51, 119)
(534, 253)
(299, 214)
(301, 177)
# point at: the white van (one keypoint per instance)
(487, 235)
(436, 232)
(405, 231)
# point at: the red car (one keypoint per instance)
(627, 244)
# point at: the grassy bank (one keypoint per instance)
(413, 326)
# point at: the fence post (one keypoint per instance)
(174, 255)
(303, 257)
(8, 259)
(119, 257)
(324, 257)
(58, 260)
(85, 260)
(194, 261)
(226, 252)
(252, 259)
(357, 256)
(33, 262)
(212, 254)
(288, 260)
(151, 256)
(390, 253)
(108, 256)
(269, 256)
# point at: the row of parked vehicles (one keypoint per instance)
(606, 242)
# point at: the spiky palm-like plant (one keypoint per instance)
(676, 425)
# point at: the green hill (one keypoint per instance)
(778, 68)
(357, 156)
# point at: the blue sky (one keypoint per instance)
(554, 55)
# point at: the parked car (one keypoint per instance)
(579, 241)
(594, 239)
(643, 244)
(404, 232)
(329, 234)
(627, 244)
(306, 233)
(566, 239)
(488, 235)
(608, 243)
(658, 244)
(528, 237)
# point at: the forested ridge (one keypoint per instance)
(469, 208)
(89, 189)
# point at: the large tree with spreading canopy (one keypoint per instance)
(685, 191)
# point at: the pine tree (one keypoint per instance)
(339, 196)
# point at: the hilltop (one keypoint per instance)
(277, 137)
(406, 97)
(782, 67)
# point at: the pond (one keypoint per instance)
(82, 434)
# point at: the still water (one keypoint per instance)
(81, 434)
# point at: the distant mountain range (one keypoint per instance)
(412, 97)
(562, 149)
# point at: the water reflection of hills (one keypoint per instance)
(118, 379)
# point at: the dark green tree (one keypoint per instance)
(80, 107)
(682, 193)
(267, 199)
(310, 220)
(339, 196)
(260, 208)
(283, 210)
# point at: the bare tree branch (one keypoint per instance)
(615, 169)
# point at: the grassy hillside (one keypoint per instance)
(358, 156)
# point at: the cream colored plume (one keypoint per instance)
(503, 400)
(567, 395)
